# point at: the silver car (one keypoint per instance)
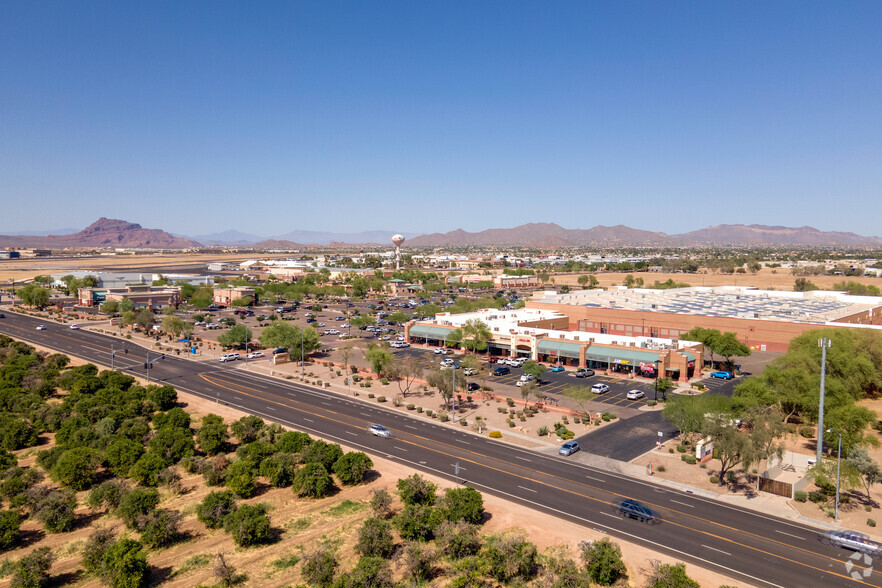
(854, 541)
(379, 431)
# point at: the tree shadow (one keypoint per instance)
(371, 476)
(66, 579)
(159, 575)
(85, 520)
(28, 537)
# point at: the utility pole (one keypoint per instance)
(112, 355)
(824, 344)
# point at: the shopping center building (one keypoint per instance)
(765, 320)
(545, 335)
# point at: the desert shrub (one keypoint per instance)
(32, 570)
(352, 467)
(375, 538)
(662, 468)
(509, 557)
(681, 449)
(54, 508)
(241, 478)
(800, 496)
(319, 565)
(146, 469)
(162, 528)
(457, 540)
(410, 407)
(77, 468)
(381, 502)
(214, 507)
(730, 477)
(871, 523)
(136, 505)
(116, 563)
(603, 562)
(279, 469)
(419, 561)
(370, 572)
(689, 458)
(417, 522)
(108, 494)
(807, 432)
(312, 480)
(247, 428)
(817, 497)
(510, 401)
(10, 521)
(495, 435)
(292, 442)
(214, 470)
(462, 504)
(249, 525)
(669, 576)
(714, 480)
(415, 489)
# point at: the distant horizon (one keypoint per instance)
(429, 117)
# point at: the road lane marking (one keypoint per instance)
(528, 489)
(270, 408)
(715, 549)
(351, 433)
(596, 479)
(683, 503)
(366, 414)
(610, 515)
(789, 535)
(308, 420)
(411, 427)
(400, 448)
(325, 403)
(523, 458)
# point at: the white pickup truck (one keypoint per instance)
(854, 541)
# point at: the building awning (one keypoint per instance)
(427, 332)
(559, 348)
(620, 356)
(690, 356)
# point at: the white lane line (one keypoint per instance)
(465, 442)
(399, 448)
(326, 403)
(365, 414)
(609, 515)
(527, 489)
(308, 420)
(237, 398)
(422, 463)
(595, 479)
(522, 458)
(715, 549)
(410, 427)
(351, 433)
(789, 535)
(270, 408)
(683, 503)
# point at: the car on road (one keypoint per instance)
(569, 448)
(229, 357)
(635, 394)
(379, 431)
(254, 354)
(469, 372)
(600, 388)
(558, 368)
(501, 371)
(473, 386)
(584, 373)
(854, 541)
(722, 375)
(632, 509)
(2, 315)
(74, 326)
(41, 327)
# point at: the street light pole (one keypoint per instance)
(823, 343)
(302, 359)
(838, 472)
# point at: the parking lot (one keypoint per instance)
(552, 383)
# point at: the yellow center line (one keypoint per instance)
(549, 485)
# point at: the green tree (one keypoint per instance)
(669, 576)
(144, 319)
(322, 453)
(417, 522)
(803, 285)
(312, 480)
(77, 468)
(352, 467)
(603, 562)
(283, 334)
(146, 469)
(419, 561)
(415, 489)
(462, 504)
(10, 521)
(457, 540)
(110, 307)
(292, 441)
(172, 324)
(475, 335)
(870, 472)
(162, 528)
(34, 295)
(212, 435)
(511, 557)
(136, 505)
(172, 444)
(406, 371)
(237, 336)
(248, 428)
(126, 305)
(249, 525)
(124, 565)
(55, 509)
(706, 337)
(380, 357)
(534, 369)
(32, 570)
(375, 538)
(214, 508)
(728, 345)
(164, 397)
(318, 566)
(241, 478)
(371, 572)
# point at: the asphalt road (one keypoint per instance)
(753, 547)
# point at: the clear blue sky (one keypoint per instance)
(197, 117)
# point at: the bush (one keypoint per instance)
(381, 399)
(352, 467)
(495, 435)
(511, 423)
(249, 525)
(116, 563)
(651, 403)
(108, 494)
(161, 528)
(371, 395)
(215, 507)
(462, 504)
(172, 444)
(463, 422)
(55, 509)
(510, 556)
(241, 479)
(10, 521)
(121, 455)
(689, 458)
(318, 566)
(668, 575)
(322, 453)
(681, 449)
(817, 497)
(661, 468)
(375, 539)
(542, 431)
(248, 428)
(871, 522)
(292, 442)
(312, 480)
(457, 540)
(32, 570)
(714, 480)
(137, 504)
(410, 407)
(807, 432)
(443, 417)
(146, 469)
(800, 496)
(77, 468)
(279, 469)
(419, 409)
(255, 452)
(603, 562)
(415, 489)
(370, 571)
(509, 401)
(417, 522)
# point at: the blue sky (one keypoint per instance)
(265, 117)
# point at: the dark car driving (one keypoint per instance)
(634, 510)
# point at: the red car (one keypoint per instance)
(492, 359)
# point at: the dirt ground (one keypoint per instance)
(306, 523)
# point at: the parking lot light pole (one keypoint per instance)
(657, 361)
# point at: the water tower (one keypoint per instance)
(397, 240)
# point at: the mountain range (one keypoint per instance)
(119, 233)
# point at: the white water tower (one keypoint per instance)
(397, 240)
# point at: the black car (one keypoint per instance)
(501, 371)
(2, 315)
(473, 386)
(632, 509)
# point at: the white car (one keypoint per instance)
(442, 350)
(469, 372)
(74, 326)
(379, 431)
(41, 327)
(254, 355)
(635, 394)
(447, 361)
(600, 388)
(525, 379)
(229, 357)
(517, 362)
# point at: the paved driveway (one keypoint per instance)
(626, 439)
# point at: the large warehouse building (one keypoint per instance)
(765, 320)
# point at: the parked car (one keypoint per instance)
(501, 371)
(600, 388)
(74, 326)
(473, 386)
(492, 359)
(722, 375)
(517, 361)
(229, 357)
(469, 372)
(525, 379)
(41, 327)
(634, 510)
(254, 354)
(569, 448)
(379, 431)
(584, 373)
(441, 351)
(635, 394)
(280, 350)
(558, 368)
